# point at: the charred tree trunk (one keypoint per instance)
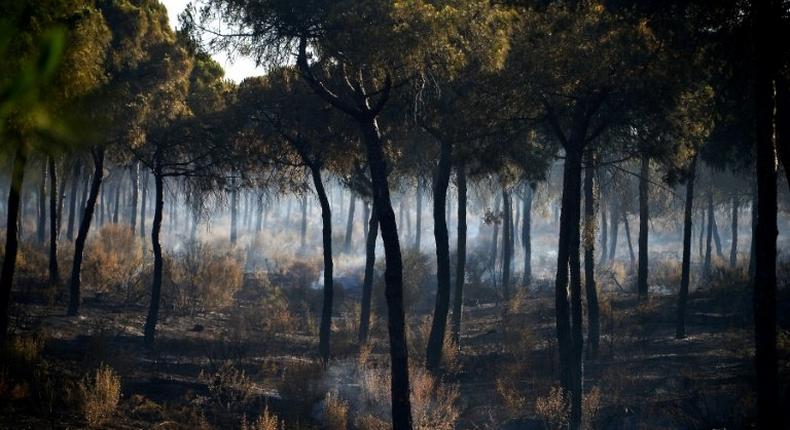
(367, 283)
(393, 277)
(259, 219)
(569, 314)
(495, 242)
(702, 235)
(507, 240)
(41, 229)
(753, 245)
(143, 203)
(526, 233)
(82, 234)
(460, 265)
(782, 122)
(734, 229)
(593, 320)
(628, 238)
(84, 197)
(418, 222)
(75, 180)
(117, 195)
(604, 229)
(349, 224)
(680, 332)
(709, 238)
(134, 176)
(644, 216)
(765, 15)
(325, 329)
(716, 237)
(149, 332)
(439, 325)
(54, 223)
(614, 227)
(234, 211)
(303, 229)
(11, 239)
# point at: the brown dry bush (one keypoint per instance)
(302, 384)
(553, 409)
(228, 387)
(266, 421)
(419, 283)
(99, 395)
(203, 277)
(113, 262)
(335, 411)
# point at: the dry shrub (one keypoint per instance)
(666, 273)
(32, 261)
(371, 422)
(99, 396)
(335, 412)
(228, 387)
(203, 277)
(553, 409)
(267, 421)
(417, 335)
(18, 361)
(302, 384)
(591, 406)
(515, 403)
(433, 403)
(274, 312)
(113, 261)
(419, 281)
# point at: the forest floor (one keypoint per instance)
(208, 370)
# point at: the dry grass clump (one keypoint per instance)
(203, 277)
(99, 395)
(302, 384)
(553, 409)
(113, 261)
(228, 387)
(514, 401)
(267, 421)
(335, 412)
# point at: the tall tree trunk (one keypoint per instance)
(680, 332)
(370, 263)
(644, 216)
(765, 15)
(54, 223)
(82, 233)
(734, 229)
(303, 230)
(614, 227)
(495, 242)
(259, 219)
(349, 224)
(11, 239)
(753, 244)
(102, 204)
(393, 277)
(706, 268)
(117, 195)
(75, 180)
(366, 211)
(593, 320)
(460, 265)
(143, 203)
(418, 222)
(783, 122)
(716, 237)
(569, 314)
(507, 233)
(149, 332)
(41, 230)
(702, 235)
(526, 233)
(628, 237)
(134, 176)
(234, 210)
(438, 327)
(84, 196)
(604, 228)
(325, 329)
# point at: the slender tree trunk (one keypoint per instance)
(765, 17)
(41, 230)
(102, 204)
(259, 219)
(783, 122)
(117, 195)
(84, 196)
(151, 320)
(418, 223)
(325, 329)
(303, 230)
(753, 244)
(593, 320)
(366, 211)
(349, 224)
(526, 234)
(507, 233)
(702, 235)
(706, 268)
(54, 223)
(460, 265)
(716, 238)
(439, 325)
(680, 332)
(644, 216)
(11, 239)
(734, 229)
(495, 242)
(628, 238)
(370, 263)
(393, 277)
(144, 203)
(75, 180)
(234, 211)
(569, 314)
(82, 234)
(614, 227)
(134, 175)
(604, 229)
